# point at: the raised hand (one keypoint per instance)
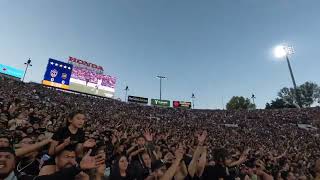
(179, 154)
(100, 159)
(90, 143)
(243, 158)
(67, 141)
(148, 135)
(168, 157)
(88, 162)
(91, 162)
(101, 169)
(246, 152)
(202, 137)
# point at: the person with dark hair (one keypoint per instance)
(160, 171)
(143, 169)
(144, 145)
(29, 163)
(254, 170)
(67, 168)
(218, 171)
(72, 134)
(7, 164)
(120, 170)
(4, 141)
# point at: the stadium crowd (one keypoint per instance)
(51, 134)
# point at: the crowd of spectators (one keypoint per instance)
(47, 133)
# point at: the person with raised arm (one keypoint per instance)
(169, 174)
(67, 168)
(196, 165)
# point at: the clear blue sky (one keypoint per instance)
(214, 48)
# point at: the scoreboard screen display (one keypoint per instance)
(57, 74)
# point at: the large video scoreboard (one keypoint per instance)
(57, 74)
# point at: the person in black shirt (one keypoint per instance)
(144, 145)
(218, 171)
(120, 170)
(28, 164)
(72, 134)
(143, 169)
(66, 166)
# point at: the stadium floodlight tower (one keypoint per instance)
(193, 97)
(126, 95)
(160, 78)
(28, 63)
(253, 97)
(284, 51)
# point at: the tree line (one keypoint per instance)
(307, 95)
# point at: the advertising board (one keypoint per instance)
(11, 71)
(161, 103)
(136, 99)
(181, 104)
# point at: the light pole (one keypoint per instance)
(193, 97)
(293, 82)
(253, 97)
(28, 63)
(161, 77)
(126, 95)
(284, 51)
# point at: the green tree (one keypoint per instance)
(278, 104)
(309, 93)
(239, 102)
(287, 96)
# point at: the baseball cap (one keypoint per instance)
(7, 149)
